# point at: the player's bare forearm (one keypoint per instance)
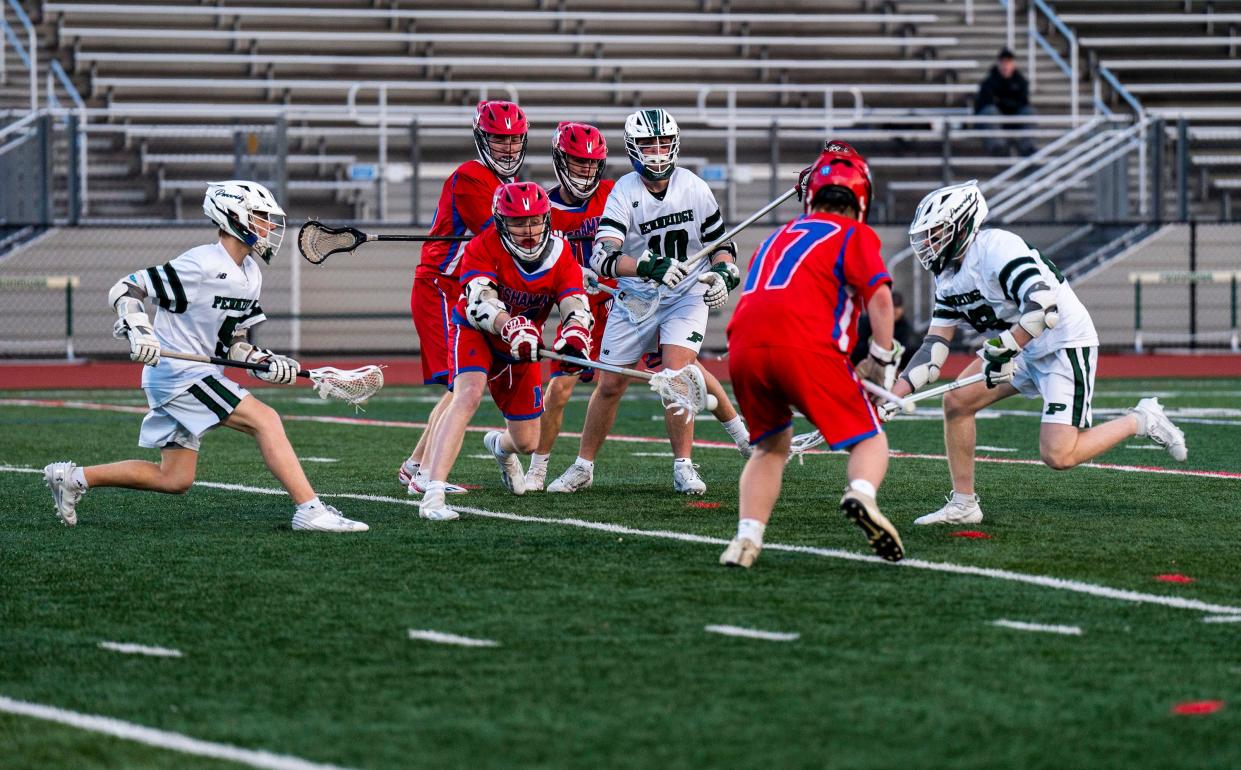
(1020, 335)
(882, 316)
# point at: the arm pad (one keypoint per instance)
(603, 258)
(727, 247)
(1039, 311)
(924, 367)
(575, 311)
(483, 305)
(126, 298)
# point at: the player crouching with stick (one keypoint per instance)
(511, 275)
(208, 298)
(789, 343)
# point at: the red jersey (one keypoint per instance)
(807, 284)
(531, 294)
(580, 220)
(464, 209)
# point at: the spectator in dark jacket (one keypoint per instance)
(1005, 91)
(902, 332)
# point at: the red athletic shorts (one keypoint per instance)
(431, 303)
(770, 382)
(599, 308)
(517, 388)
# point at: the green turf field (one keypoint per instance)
(298, 644)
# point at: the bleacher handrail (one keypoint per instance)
(29, 54)
(1071, 69)
(1150, 18)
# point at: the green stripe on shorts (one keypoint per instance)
(1079, 386)
(224, 393)
(209, 402)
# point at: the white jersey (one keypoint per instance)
(987, 288)
(204, 299)
(677, 224)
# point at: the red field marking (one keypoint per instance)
(1198, 707)
(706, 506)
(972, 534)
(1174, 577)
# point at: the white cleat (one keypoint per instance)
(957, 511)
(407, 473)
(419, 483)
(536, 477)
(325, 518)
(434, 508)
(512, 475)
(574, 479)
(685, 478)
(65, 493)
(884, 540)
(741, 552)
(1156, 426)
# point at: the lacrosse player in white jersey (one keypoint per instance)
(1041, 344)
(656, 217)
(208, 301)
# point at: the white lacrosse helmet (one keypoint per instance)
(945, 224)
(652, 125)
(249, 212)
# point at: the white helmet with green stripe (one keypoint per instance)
(945, 224)
(653, 140)
(248, 212)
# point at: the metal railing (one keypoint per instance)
(1071, 68)
(29, 54)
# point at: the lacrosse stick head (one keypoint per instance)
(638, 308)
(352, 385)
(317, 241)
(683, 391)
(802, 443)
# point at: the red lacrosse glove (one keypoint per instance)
(522, 338)
(573, 340)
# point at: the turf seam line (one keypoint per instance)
(162, 739)
(439, 637)
(1018, 625)
(753, 633)
(364, 422)
(141, 649)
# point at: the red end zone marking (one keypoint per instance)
(708, 506)
(1198, 707)
(1174, 577)
(972, 534)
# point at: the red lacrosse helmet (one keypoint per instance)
(499, 119)
(583, 143)
(527, 241)
(840, 166)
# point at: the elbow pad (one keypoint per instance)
(1039, 311)
(575, 311)
(727, 247)
(604, 257)
(925, 365)
(125, 297)
(483, 305)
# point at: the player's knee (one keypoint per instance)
(1058, 458)
(957, 405)
(612, 386)
(177, 483)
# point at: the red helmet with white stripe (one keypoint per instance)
(840, 166)
(500, 137)
(579, 153)
(523, 218)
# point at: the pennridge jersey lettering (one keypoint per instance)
(807, 284)
(677, 223)
(464, 209)
(203, 299)
(986, 289)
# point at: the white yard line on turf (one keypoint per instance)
(364, 422)
(1222, 619)
(140, 649)
(1020, 626)
(653, 454)
(986, 448)
(1058, 584)
(160, 738)
(319, 460)
(752, 633)
(439, 637)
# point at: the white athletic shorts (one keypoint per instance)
(183, 420)
(1064, 379)
(681, 320)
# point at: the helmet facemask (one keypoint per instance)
(267, 233)
(526, 238)
(654, 157)
(502, 153)
(945, 225)
(248, 212)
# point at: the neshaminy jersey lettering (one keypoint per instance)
(986, 290)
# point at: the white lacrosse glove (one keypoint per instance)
(522, 338)
(281, 370)
(999, 358)
(143, 346)
(662, 270)
(590, 281)
(720, 279)
(887, 410)
(880, 366)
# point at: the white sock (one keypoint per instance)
(863, 486)
(411, 466)
(752, 530)
(736, 428)
(538, 461)
(587, 464)
(958, 497)
(683, 460)
(311, 503)
(1141, 418)
(434, 486)
(78, 477)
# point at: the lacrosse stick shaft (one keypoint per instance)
(743, 224)
(589, 364)
(221, 361)
(887, 395)
(942, 389)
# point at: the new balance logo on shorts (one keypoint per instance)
(1054, 407)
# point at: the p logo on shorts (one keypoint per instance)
(1053, 407)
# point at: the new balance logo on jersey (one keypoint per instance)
(222, 276)
(231, 303)
(659, 223)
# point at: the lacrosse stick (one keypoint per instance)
(352, 385)
(317, 241)
(743, 224)
(636, 307)
(683, 391)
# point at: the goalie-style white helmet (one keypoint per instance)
(248, 212)
(656, 131)
(945, 224)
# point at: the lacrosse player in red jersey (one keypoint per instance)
(208, 301)
(464, 209)
(579, 153)
(512, 274)
(789, 342)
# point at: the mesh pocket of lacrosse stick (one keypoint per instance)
(352, 385)
(683, 391)
(317, 242)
